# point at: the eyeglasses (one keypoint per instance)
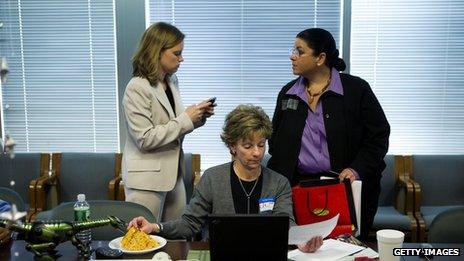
(294, 52)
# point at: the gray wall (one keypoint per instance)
(130, 25)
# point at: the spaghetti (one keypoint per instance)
(136, 240)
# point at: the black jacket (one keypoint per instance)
(356, 127)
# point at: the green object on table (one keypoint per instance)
(201, 255)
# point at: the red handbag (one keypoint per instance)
(320, 200)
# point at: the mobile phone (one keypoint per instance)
(212, 100)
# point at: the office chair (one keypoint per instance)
(446, 227)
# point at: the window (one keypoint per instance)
(411, 54)
(238, 52)
(61, 93)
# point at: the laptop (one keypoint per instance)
(248, 237)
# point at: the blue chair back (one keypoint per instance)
(22, 169)
(86, 173)
(441, 178)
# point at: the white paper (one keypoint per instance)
(304, 233)
(356, 188)
(331, 250)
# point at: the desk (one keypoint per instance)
(176, 249)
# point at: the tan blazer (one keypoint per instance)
(153, 146)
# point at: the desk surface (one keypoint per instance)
(176, 249)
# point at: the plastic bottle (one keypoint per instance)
(82, 213)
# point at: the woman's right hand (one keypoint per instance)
(143, 224)
(197, 112)
(312, 245)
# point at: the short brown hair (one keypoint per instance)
(243, 122)
(157, 38)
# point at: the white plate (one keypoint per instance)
(116, 244)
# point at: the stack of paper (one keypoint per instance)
(331, 250)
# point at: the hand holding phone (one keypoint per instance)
(210, 109)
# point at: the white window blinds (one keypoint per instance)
(237, 51)
(411, 54)
(61, 94)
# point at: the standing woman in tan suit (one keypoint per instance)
(152, 165)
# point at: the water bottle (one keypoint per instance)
(82, 213)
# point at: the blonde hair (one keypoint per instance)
(157, 38)
(243, 122)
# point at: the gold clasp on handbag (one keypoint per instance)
(320, 212)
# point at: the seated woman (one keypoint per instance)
(237, 186)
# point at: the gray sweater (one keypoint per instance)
(213, 195)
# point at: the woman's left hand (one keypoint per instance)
(347, 174)
(312, 245)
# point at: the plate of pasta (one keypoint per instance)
(137, 242)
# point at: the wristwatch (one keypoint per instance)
(160, 227)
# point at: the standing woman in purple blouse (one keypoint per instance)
(327, 121)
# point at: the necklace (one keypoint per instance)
(313, 95)
(248, 195)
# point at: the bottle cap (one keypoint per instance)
(81, 197)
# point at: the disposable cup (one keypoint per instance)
(387, 240)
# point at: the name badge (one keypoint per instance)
(266, 204)
(290, 104)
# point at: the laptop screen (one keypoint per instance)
(248, 237)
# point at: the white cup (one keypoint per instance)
(387, 240)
